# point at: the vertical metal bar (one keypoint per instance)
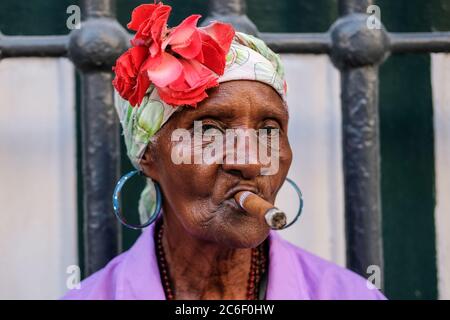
(100, 154)
(361, 154)
(101, 167)
(231, 11)
(99, 8)
(228, 7)
(361, 158)
(353, 6)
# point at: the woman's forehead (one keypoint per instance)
(236, 98)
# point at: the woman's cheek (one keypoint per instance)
(285, 155)
(180, 149)
(212, 153)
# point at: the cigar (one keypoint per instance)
(250, 202)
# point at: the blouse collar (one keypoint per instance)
(139, 277)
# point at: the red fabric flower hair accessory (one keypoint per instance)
(181, 62)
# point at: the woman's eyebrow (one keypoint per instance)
(275, 112)
(215, 113)
(220, 111)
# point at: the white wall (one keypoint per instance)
(440, 71)
(37, 177)
(315, 137)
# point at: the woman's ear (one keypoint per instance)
(148, 165)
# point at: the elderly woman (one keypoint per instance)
(202, 240)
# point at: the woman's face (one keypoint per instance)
(199, 196)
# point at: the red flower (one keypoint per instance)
(216, 40)
(150, 22)
(181, 62)
(130, 81)
(190, 87)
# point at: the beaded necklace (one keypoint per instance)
(257, 269)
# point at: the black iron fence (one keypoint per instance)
(355, 48)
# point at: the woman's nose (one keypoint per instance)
(246, 171)
(241, 157)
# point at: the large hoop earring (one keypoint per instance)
(300, 208)
(116, 202)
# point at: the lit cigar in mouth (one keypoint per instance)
(250, 202)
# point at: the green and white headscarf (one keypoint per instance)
(249, 58)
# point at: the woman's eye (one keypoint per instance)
(269, 129)
(211, 128)
(268, 132)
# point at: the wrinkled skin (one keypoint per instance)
(207, 237)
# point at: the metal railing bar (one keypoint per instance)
(317, 43)
(33, 46)
(301, 43)
(420, 42)
(357, 53)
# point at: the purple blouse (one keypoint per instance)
(294, 274)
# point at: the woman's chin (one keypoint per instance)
(229, 226)
(242, 232)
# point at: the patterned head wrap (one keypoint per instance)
(249, 58)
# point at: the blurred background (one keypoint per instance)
(41, 216)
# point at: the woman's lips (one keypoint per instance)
(229, 196)
(234, 205)
(230, 193)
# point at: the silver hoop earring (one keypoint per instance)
(300, 208)
(116, 202)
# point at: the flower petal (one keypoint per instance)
(191, 48)
(222, 33)
(163, 70)
(151, 29)
(140, 14)
(183, 31)
(194, 72)
(130, 81)
(138, 54)
(190, 88)
(213, 55)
